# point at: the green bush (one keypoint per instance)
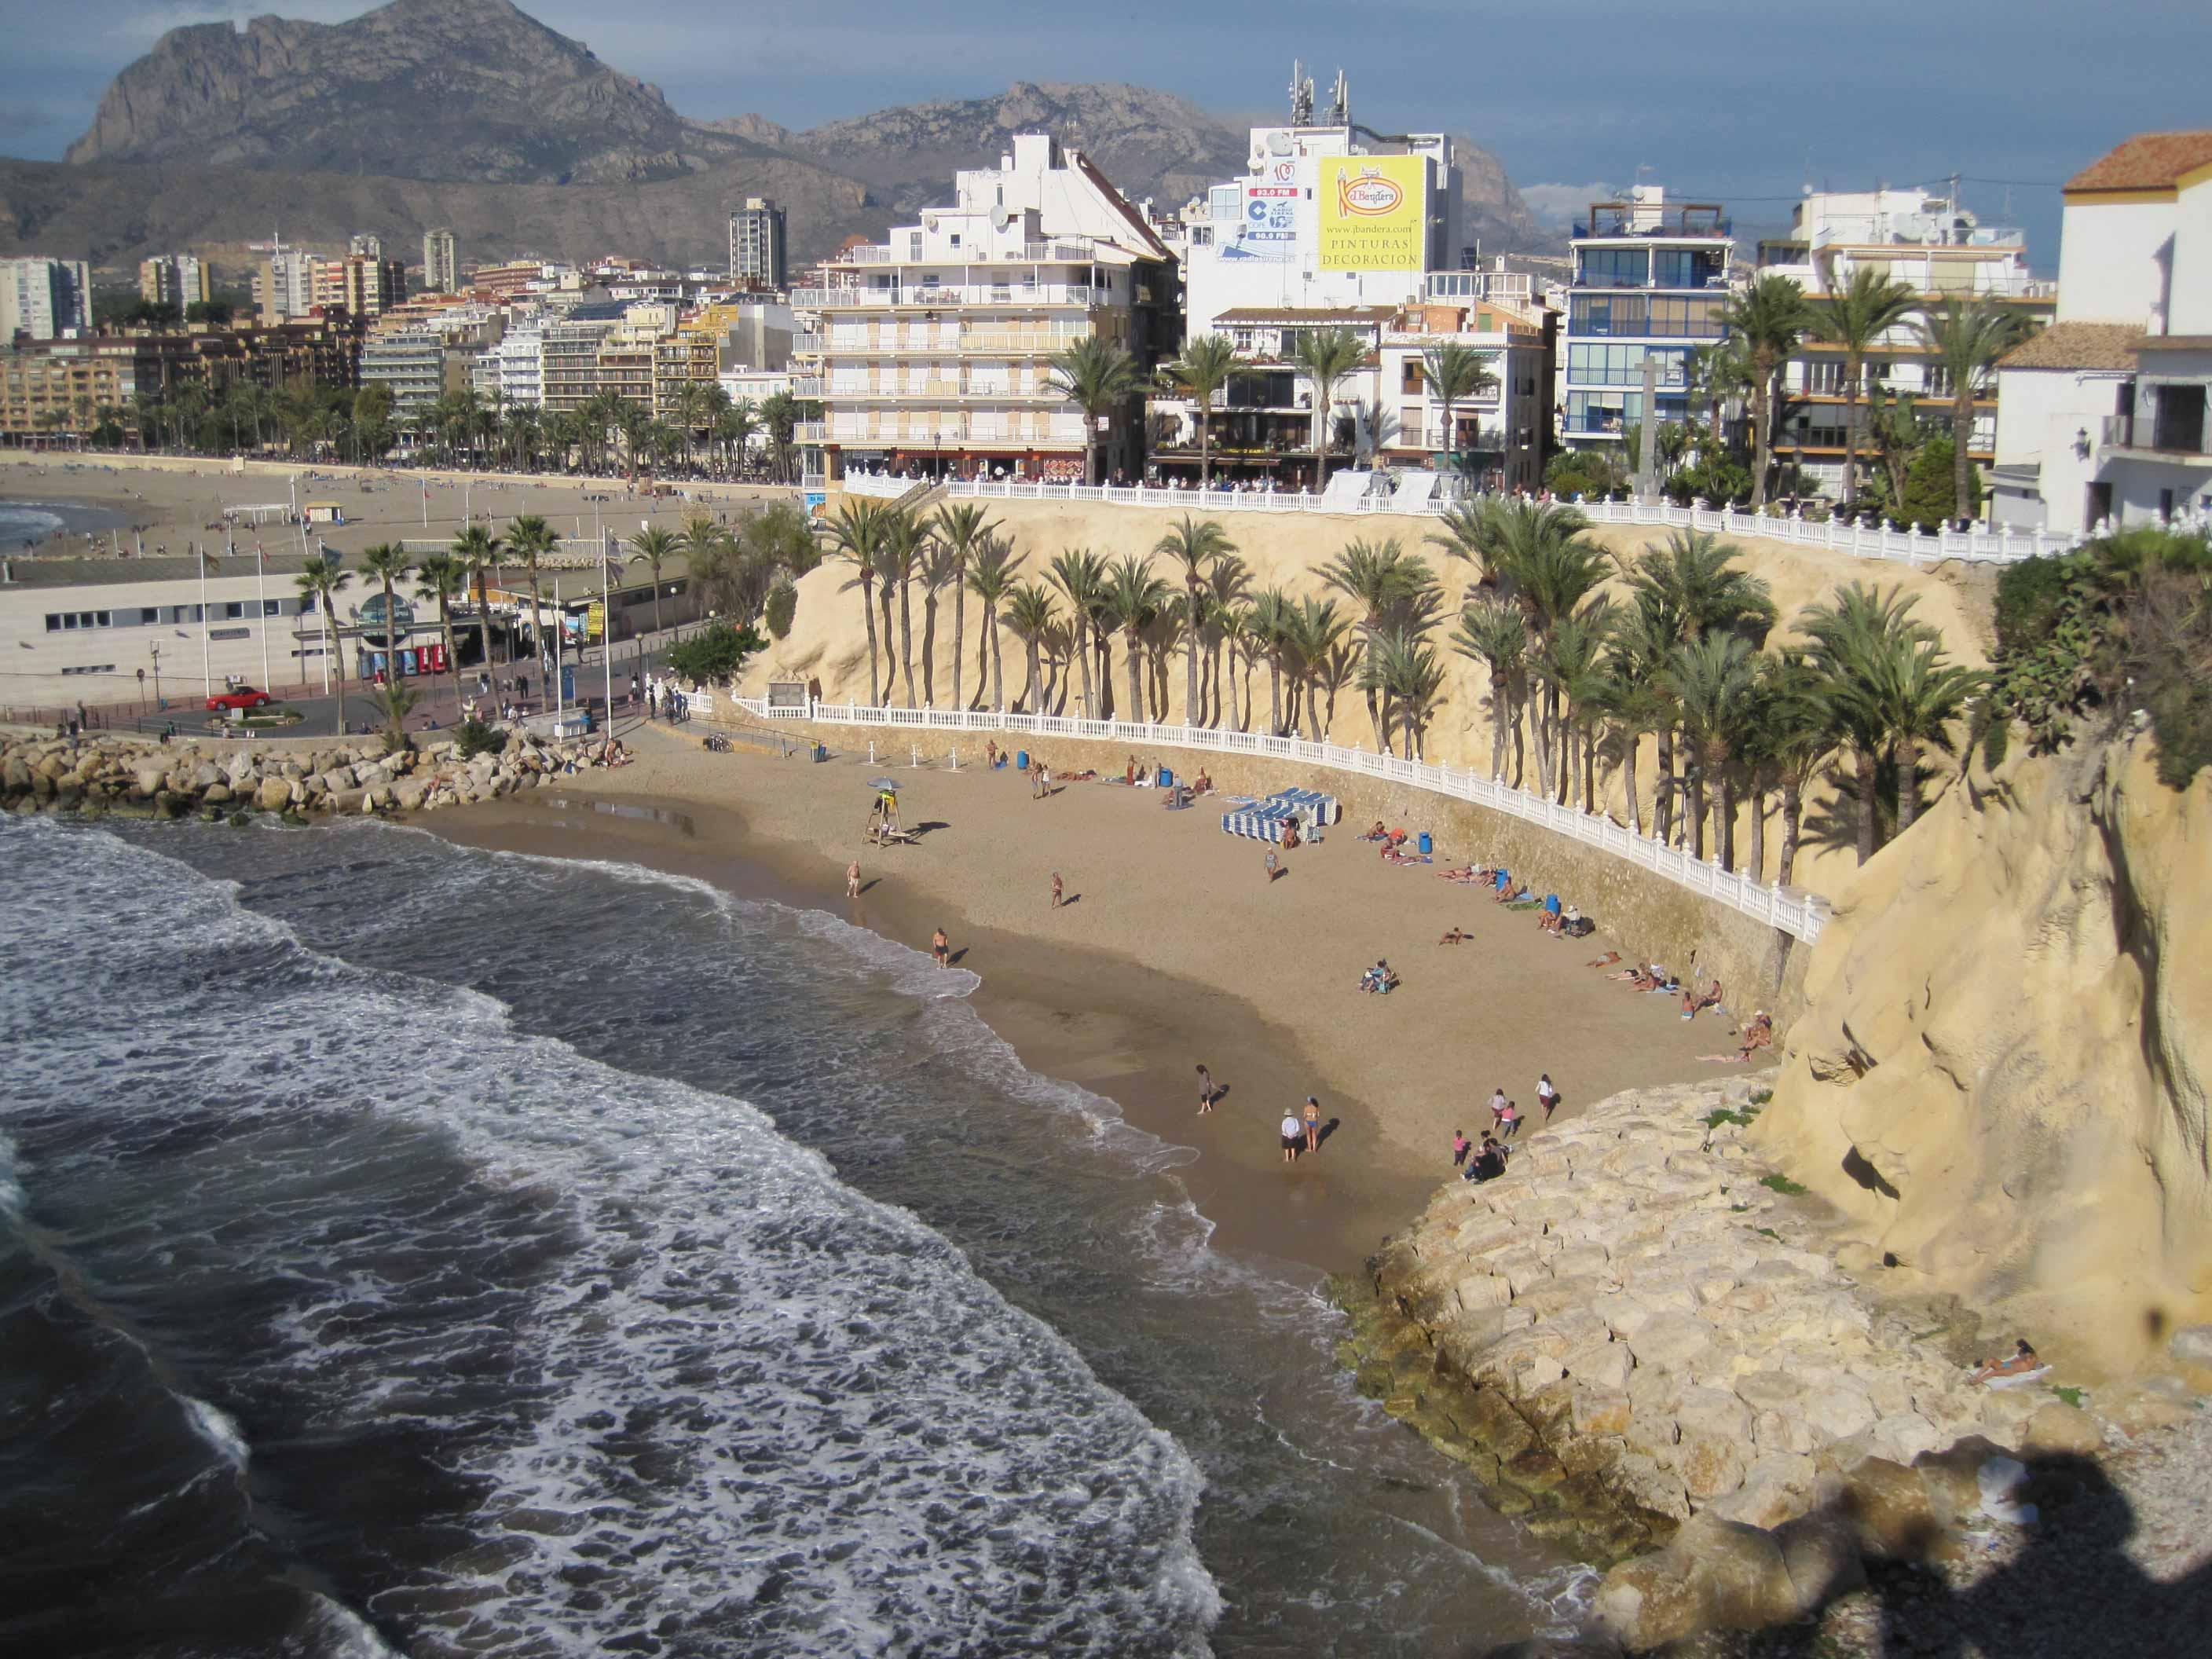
(1783, 1185)
(1715, 478)
(1931, 491)
(716, 654)
(2029, 598)
(782, 608)
(472, 737)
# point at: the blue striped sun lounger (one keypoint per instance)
(1320, 808)
(1264, 823)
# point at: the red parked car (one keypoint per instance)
(243, 697)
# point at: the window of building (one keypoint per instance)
(272, 607)
(1824, 377)
(1415, 380)
(234, 609)
(1614, 267)
(1603, 314)
(1686, 267)
(955, 239)
(1593, 364)
(1673, 317)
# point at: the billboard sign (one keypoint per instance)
(1270, 229)
(1374, 212)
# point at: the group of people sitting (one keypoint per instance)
(1488, 1162)
(1392, 849)
(1382, 979)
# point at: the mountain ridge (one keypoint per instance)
(433, 102)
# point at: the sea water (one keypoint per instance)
(412, 1248)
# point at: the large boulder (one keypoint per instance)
(274, 795)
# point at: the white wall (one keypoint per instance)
(36, 657)
(2044, 410)
(2191, 312)
(2112, 263)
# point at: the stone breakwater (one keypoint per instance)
(1635, 1332)
(145, 778)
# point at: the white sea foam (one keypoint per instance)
(218, 1429)
(743, 1377)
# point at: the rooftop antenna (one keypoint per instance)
(1339, 103)
(1302, 95)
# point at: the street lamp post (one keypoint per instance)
(156, 651)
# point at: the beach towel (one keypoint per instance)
(2020, 1381)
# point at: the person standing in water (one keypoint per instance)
(852, 880)
(1205, 1092)
(1313, 1124)
(941, 948)
(1293, 1139)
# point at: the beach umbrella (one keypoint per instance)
(889, 785)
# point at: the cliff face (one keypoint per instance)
(2002, 1074)
(443, 89)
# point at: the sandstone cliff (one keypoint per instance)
(2002, 1077)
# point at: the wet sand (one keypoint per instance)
(1173, 950)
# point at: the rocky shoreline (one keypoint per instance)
(1640, 1339)
(140, 777)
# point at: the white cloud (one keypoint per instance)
(1557, 206)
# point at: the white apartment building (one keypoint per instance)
(43, 298)
(173, 279)
(2102, 415)
(441, 263)
(1936, 247)
(1650, 283)
(513, 370)
(757, 243)
(284, 285)
(935, 345)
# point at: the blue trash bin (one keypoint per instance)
(1425, 844)
(1022, 760)
(1166, 779)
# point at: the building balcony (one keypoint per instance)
(2141, 438)
(810, 431)
(946, 296)
(1029, 344)
(1030, 253)
(942, 391)
(806, 386)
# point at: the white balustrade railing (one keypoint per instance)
(1793, 911)
(1979, 545)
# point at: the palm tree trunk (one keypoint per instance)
(1852, 370)
(1865, 766)
(1724, 817)
(1031, 696)
(1205, 444)
(1962, 434)
(960, 631)
(987, 621)
(1793, 813)
(1192, 714)
(656, 596)
(1082, 643)
(891, 648)
(1628, 781)
(929, 650)
(1589, 769)
(1520, 748)
(1756, 794)
(1662, 788)
(1760, 443)
(1274, 696)
(1309, 693)
(1501, 708)
(1908, 782)
(906, 636)
(1697, 815)
(998, 665)
(1134, 651)
(868, 616)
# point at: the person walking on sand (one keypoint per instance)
(1313, 1124)
(852, 880)
(1056, 889)
(1508, 1121)
(1205, 1092)
(1546, 1095)
(941, 948)
(1292, 1138)
(1459, 1145)
(1496, 1107)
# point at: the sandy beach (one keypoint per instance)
(169, 504)
(1173, 949)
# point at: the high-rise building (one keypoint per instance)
(173, 279)
(365, 247)
(756, 243)
(44, 299)
(285, 286)
(365, 286)
(1650, 283)
(937, 345)
(441, 264)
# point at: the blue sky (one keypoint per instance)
(1747, 102)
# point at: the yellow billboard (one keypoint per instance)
(1374, 212)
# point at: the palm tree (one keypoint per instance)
(1195, 545)
(1097, 375)
(961, 530)
(1326, 357)
(1856, 637)
(1405, 677)
(905, 539)
(1767, 319)
(529, 535)
(1894, 434)
(1227, 583)
(1710, 680)
(1030, 611)
(1965, 337)
(1081, 576)
(1386, 582)
(733, 431)
(1695, 575)
(1453, 373)
(1553, 570)
(1133, 598)
(1239, 633)
(856, 531)
(1797, 734)
(1927, 697)
(1316, 637)
(1492, 632)
(388, 563)
(1855, 317)
(1203, 369)
(1569, 665)
(653, 547)
(1273, 613)
(991, 579)
(477, 550)
(936, 568)
(444, 578)
(320, 583)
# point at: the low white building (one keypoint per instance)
(2102, 418)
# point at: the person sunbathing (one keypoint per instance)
(1758, 1033)
(1692, 1005)
(1457, 936)
(1644, 978)
(1204, 785)
(2019, 1364)
(1512, 895)
(1605, 961)
(1378, 833)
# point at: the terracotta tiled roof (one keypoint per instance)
(2149, 161)
(2078, 345)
